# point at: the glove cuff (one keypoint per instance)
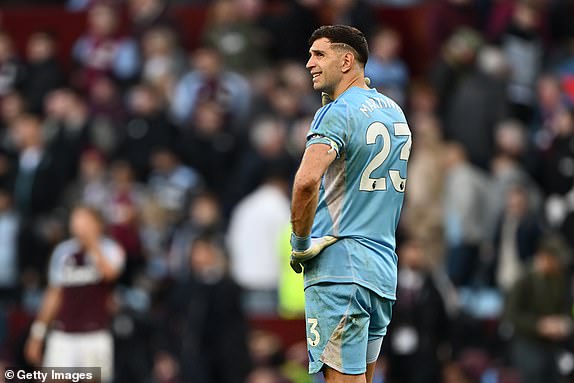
(300, 243)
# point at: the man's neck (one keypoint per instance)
(358, 81)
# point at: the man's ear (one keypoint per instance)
(348, 60)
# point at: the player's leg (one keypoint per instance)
(373, 350)
(370, 372)
(381, 312)
(334, 376)
(337, 331)
(60, 348)
(98, 351)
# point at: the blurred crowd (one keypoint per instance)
(189, 154)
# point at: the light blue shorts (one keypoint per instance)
(342, 320)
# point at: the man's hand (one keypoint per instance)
(316, 246)
(33, 351)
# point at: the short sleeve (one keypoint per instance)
(113, 253)
(56, 266)
(330, 127)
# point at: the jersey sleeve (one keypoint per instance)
(56, 266)
(330, 127)
(114, 254)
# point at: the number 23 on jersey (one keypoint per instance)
(375, 130)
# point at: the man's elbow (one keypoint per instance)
(111, 275)
(307, 184)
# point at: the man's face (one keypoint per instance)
(324, 65)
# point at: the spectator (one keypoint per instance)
(91, 186)
(357, 13)
(68, 127)
(447, 16)
(109, 115)
(11, 69)
(150, 14)
(42, 72)
(295, 78)
(550, 101)
(208, 81)
(39, 179)
(286, 42)
(465, 196)
(146, 130)
(103, 51)
(538, 310)
(208, 146)
(255, 264)
(268, 142)
(476, 105)
(558, 160)
(507, 170)
(204, 216)
(523, 48)
(206, 326)
(9, 263)
(13, 106)
(41, 173)
(171, 184)
(231, 29)
(123, 205)
(81, 275)
(163, 60)
(419, 321)
(564, 66)
(423, 213)
(457, 60)
(517, 234)
(388, 73)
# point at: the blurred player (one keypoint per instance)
(347, 196)
(75, 305)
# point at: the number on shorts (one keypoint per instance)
(313, 330)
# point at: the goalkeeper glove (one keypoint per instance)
(305, 248)
(326, 99)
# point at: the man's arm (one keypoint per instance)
(316, 160)
(47, 312)
(109, 271)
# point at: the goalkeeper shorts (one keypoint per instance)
(345, 326)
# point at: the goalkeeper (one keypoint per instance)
(347, 198)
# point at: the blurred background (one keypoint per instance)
(184, 122)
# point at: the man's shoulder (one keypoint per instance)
(109, 243)
(66, 247)
(330, 116)
(337, 107)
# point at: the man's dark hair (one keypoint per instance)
(344, 34)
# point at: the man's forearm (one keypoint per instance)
(303, 206)
(47, 312)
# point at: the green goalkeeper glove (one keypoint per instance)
(311, 248)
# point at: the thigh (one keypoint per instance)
(60, 350)
(337, 328)
(97, 351)
(380, 315)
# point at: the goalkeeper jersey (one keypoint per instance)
(362, 191)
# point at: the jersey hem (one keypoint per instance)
(365, 284)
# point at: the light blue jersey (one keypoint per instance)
(362, 191)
